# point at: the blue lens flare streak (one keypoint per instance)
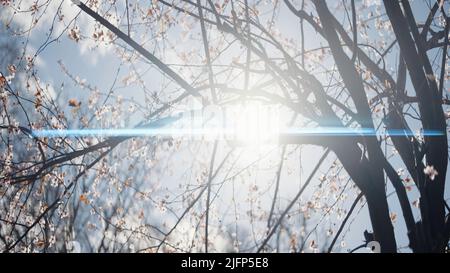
(177, 132)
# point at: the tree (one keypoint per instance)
(335, 70)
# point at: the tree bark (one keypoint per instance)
(362, 173)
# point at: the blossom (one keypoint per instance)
(74, 103)
(84, 199)
(2, 81)
(430, 171)
(393, 216)
(74, 34)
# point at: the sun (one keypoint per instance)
(252, 123)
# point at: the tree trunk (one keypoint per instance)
(381, 222)
(368, 176)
